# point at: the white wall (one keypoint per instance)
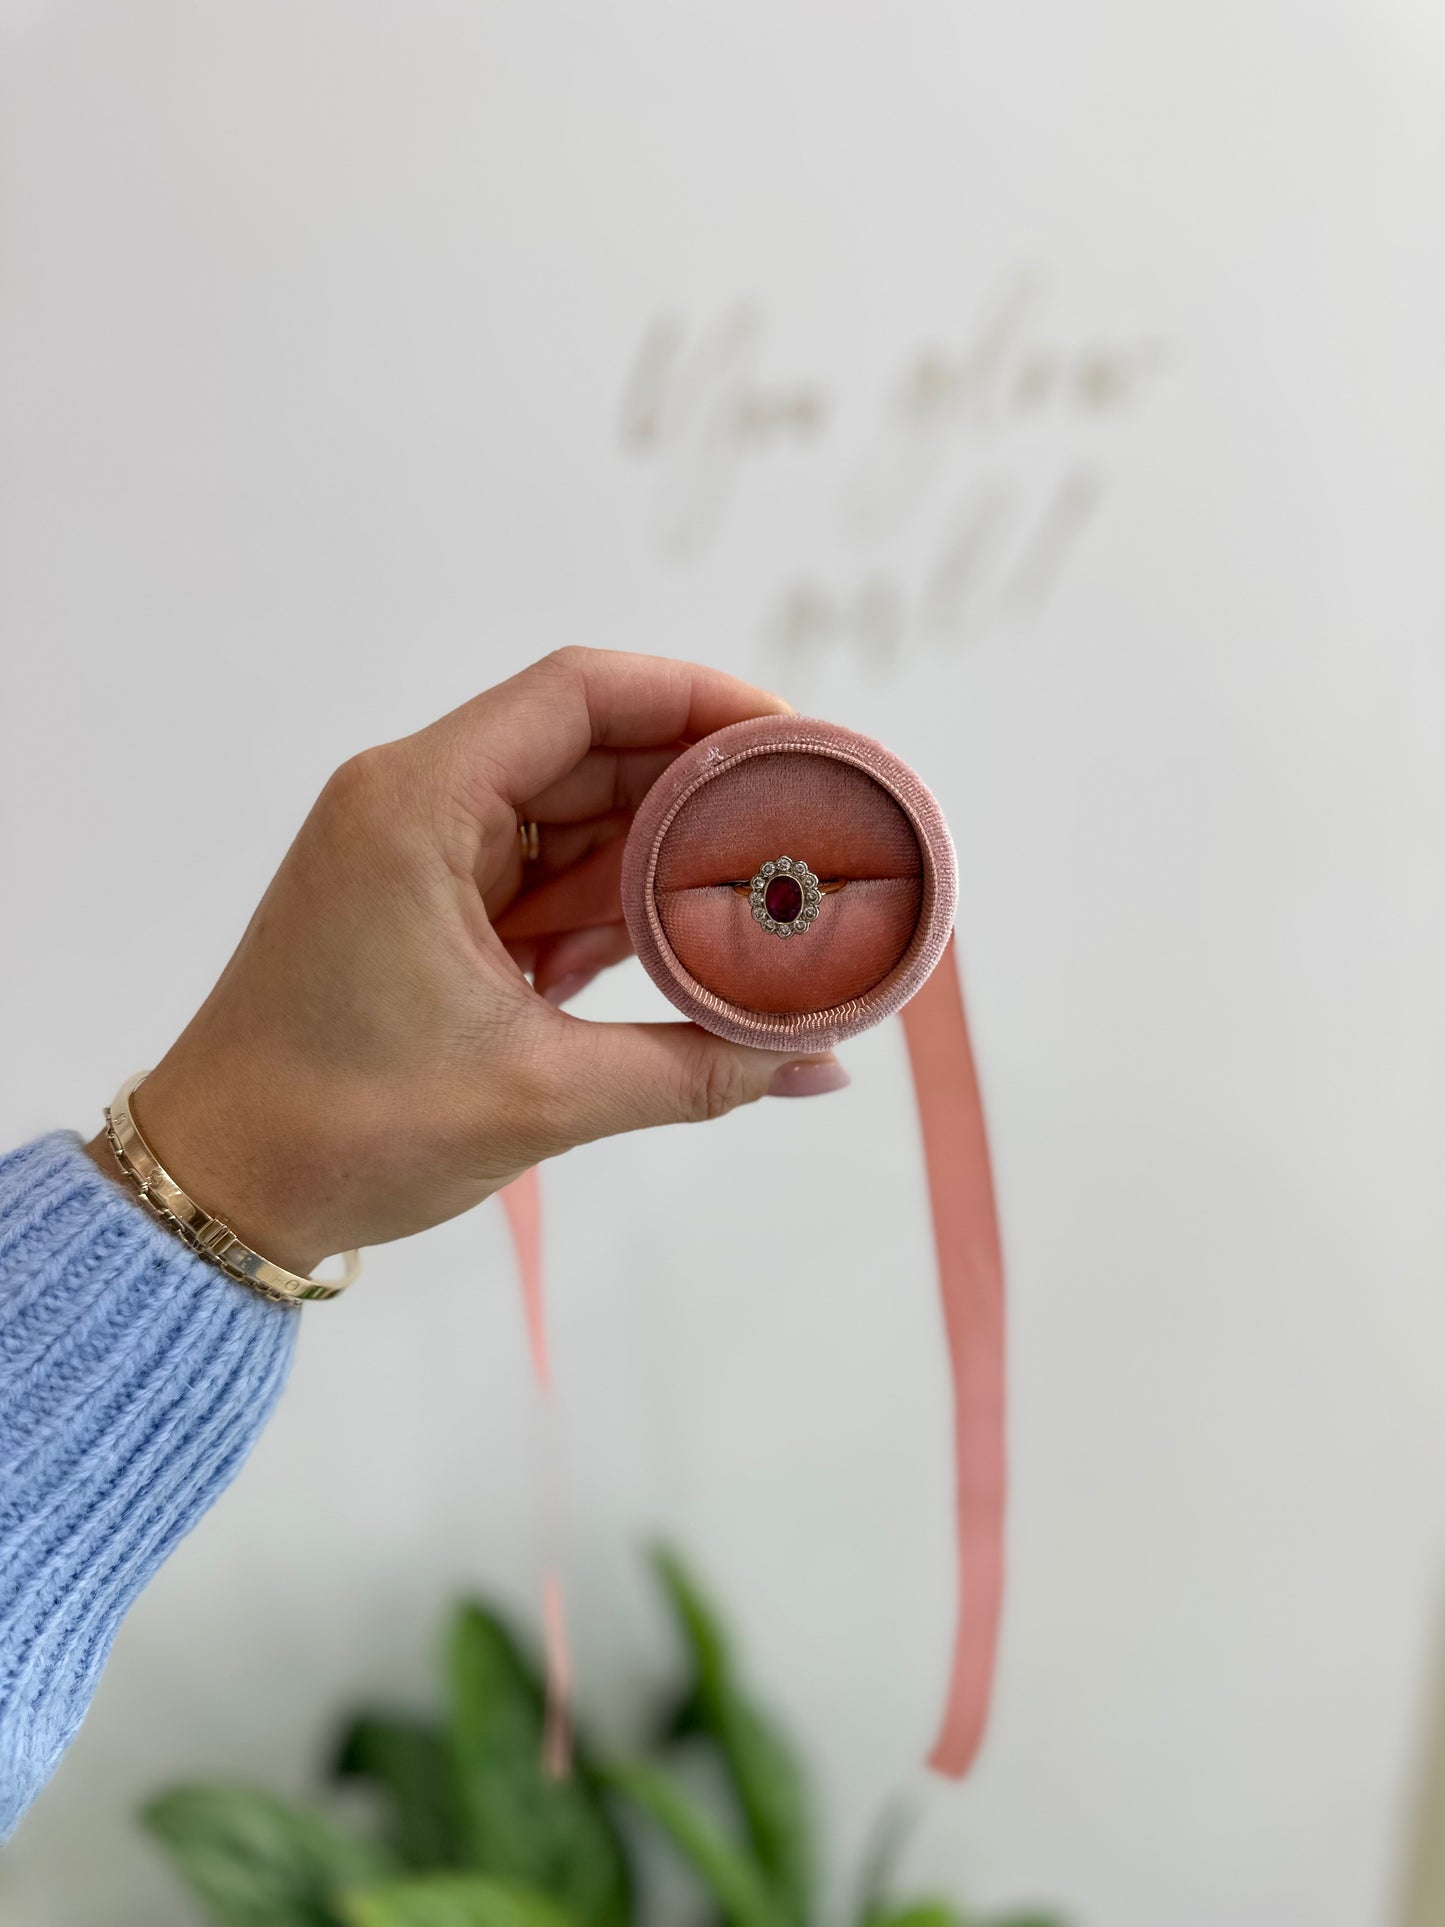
(316, 325)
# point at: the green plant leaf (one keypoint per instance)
(256, 1861)
(679, 1721)
(880, 1857)
(451, 1900)
(517, 1823)
(919, 1913)
(411, 1764)
(763, 1768)
(724, 1869)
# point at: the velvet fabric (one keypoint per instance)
(823, 795)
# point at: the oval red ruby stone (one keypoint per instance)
(783, 898)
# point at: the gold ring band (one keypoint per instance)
(531, 841)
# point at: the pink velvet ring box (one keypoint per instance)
(851, 874)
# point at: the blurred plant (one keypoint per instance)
(473, 1832)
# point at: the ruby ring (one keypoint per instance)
(786, 895)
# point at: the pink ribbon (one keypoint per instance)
(970, 1281)
(522, 1201)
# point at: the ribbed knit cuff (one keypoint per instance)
(134, 1379)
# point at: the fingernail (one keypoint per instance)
(569, 985)
(811, 1078)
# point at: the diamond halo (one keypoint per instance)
(784, 897)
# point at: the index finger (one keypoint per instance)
(532, 729)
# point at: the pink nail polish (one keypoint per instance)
(568, 986)
(811, 1078)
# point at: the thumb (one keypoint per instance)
(624, 1077)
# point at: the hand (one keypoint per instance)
(373, 1059)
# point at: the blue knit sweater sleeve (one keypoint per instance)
(134, 1379)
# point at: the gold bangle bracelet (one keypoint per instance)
(209, 1237)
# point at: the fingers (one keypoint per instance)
(565, 965)
(533, 730)
(589, 892)
(606, 1078)
(562, 845)
(562, 849)
(605, 780)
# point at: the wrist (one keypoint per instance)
(237, 1163)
